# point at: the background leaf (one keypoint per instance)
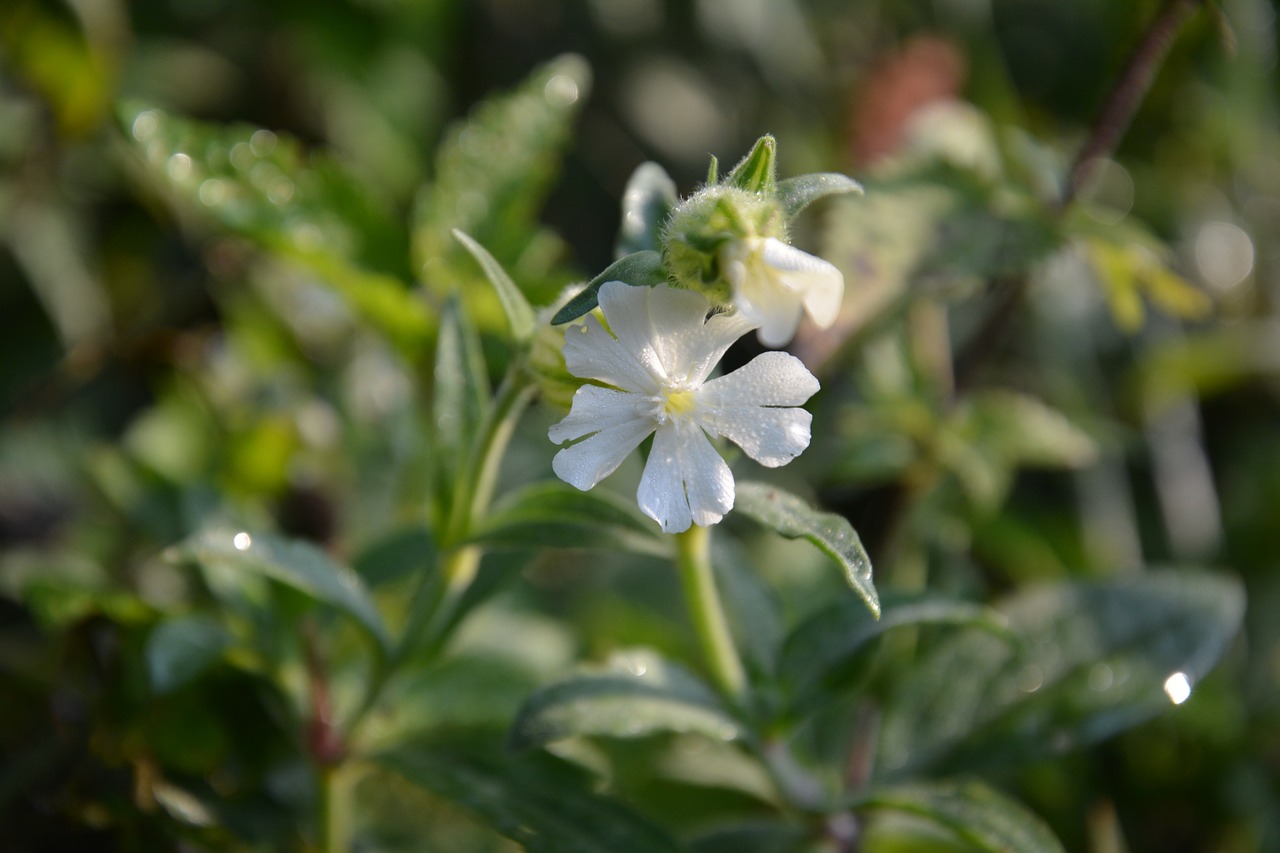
(979, 815)
(295, 563)
(552, 514)
(636, 693)
(536, 800)
(1092, 659)
(831, 649)
(179, 650)
(492, 172)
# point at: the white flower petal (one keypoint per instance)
(595, 409)
(820, 284)
(685, 481)
(774, 283)
(771, 437)
(769, 379)
(616, 425)
(586, 463)
(721, 331)
(590, 352)
(654, 324)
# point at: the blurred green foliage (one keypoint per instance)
(233, 302)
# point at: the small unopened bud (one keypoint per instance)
(556, 384)
(703, 224)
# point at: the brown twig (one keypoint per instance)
(1108, 129)
(1128, 93)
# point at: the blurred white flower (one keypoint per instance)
(658, 357)
(773, 283)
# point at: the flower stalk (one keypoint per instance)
(693, 561)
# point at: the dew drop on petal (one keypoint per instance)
(1178, 688)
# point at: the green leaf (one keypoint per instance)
(399, 553)
(460, 395)
(803, 190)
(1092, 659)
(753, 608)
(296, 204)
(1024, 430)
(519, 314)
(179, 649)
(648, 198)
(754, 837)
(757, 172)
(552, 514)
(832, 534)
(539, 801)
(636, 693)
(832, 648)
(976, 813)
(493, 170)
(294, 563)
(643, 269)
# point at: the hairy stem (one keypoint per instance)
(693, 560)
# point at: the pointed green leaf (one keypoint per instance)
(396, 554)
(642, 269)
(757, 172)
(636, 693)
(295, 563)
(648, 198)
(552, 514)
(1092, 659)
(493, 170)
(541, 802)
(833, 535)
(519, 314)
(976, 813)
(178, 650)
(803, 190)
(833, 647)
(460, 395)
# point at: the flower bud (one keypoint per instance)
(703, 224)
(556, 385)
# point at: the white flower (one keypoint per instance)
(774, 282)
(658, 357)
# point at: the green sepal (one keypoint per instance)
(803, 190)
(757, 172)
(642, 269)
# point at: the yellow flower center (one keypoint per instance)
(678, 401)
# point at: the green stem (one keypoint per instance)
(693, 560)
(432, 605)
(332, 817)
